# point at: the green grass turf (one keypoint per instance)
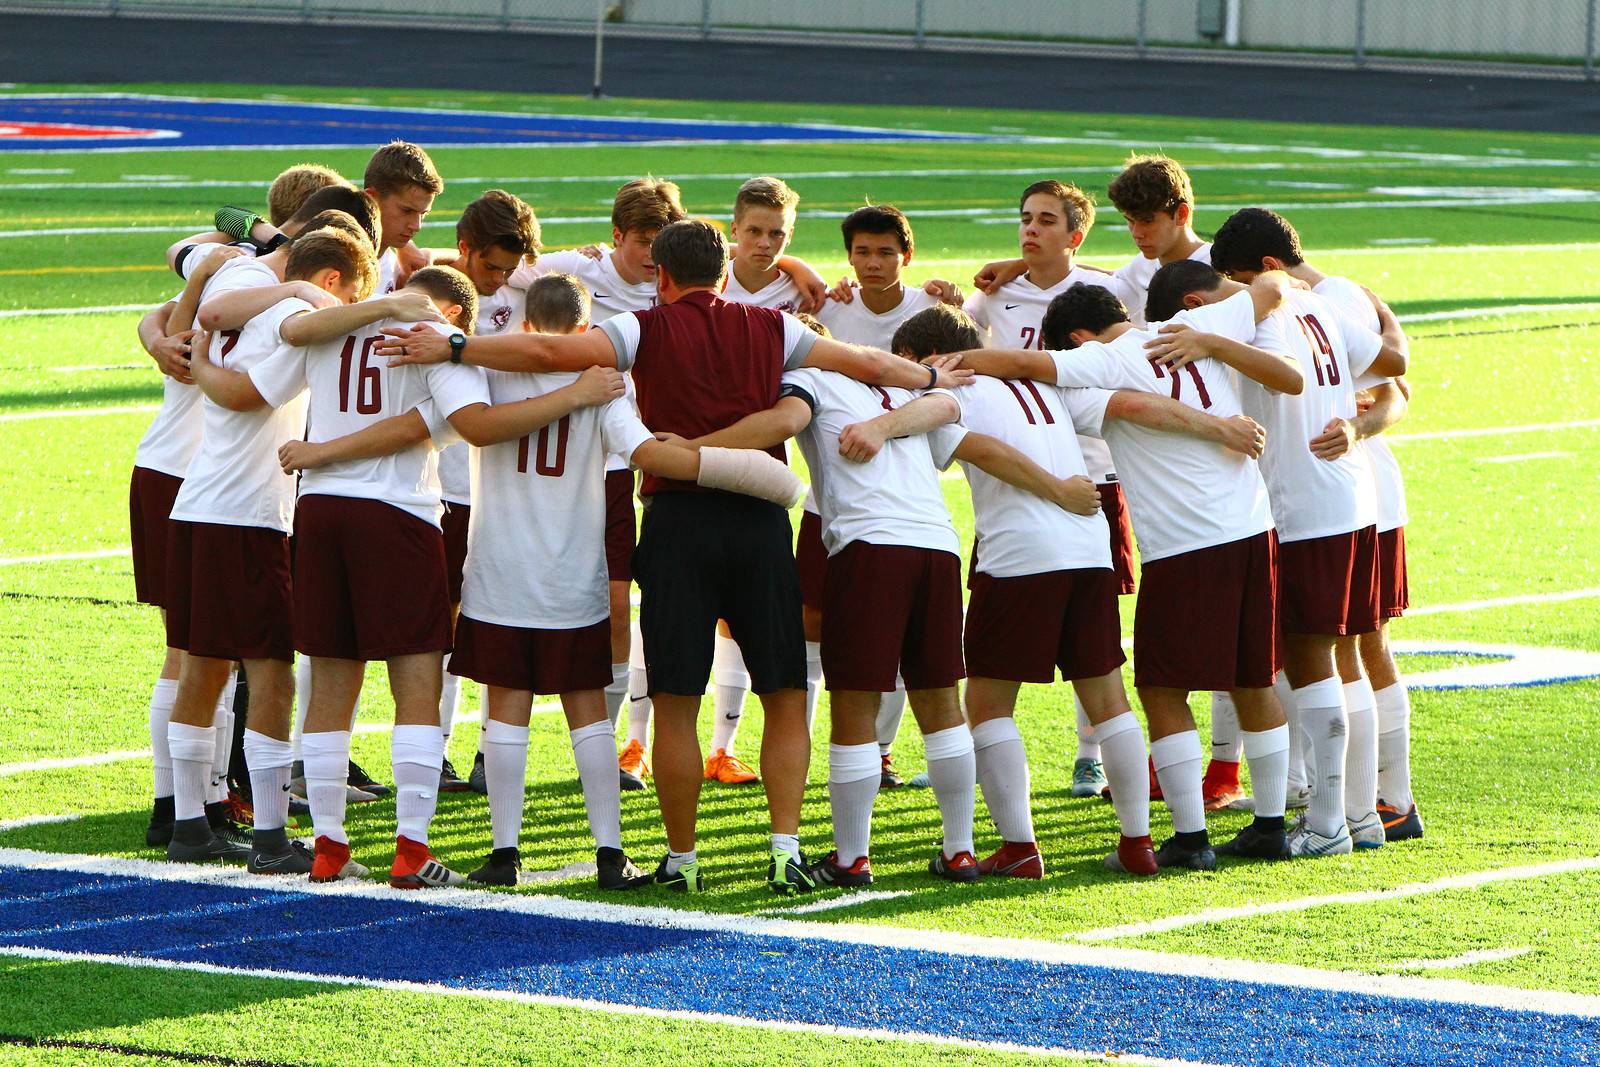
(1505, 777)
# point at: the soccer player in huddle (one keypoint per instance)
(1256, 239)
(1044, 595)
(402, 179)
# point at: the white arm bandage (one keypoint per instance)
(745, 470)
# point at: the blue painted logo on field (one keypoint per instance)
(123, 121)
(761, 976)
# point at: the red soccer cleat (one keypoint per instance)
(1155, 783)
(331, 861)
(415, 868)
(1221, 785)
(962, 867)
(1014, 859)
(1134, 855)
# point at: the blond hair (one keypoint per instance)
(646, 204)
(765, 192)
(290, 189)
(333, 249)
(399, 165)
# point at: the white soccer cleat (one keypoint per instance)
(1367, 832)
(1306, 842)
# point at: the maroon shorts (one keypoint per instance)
(540, 661)
(1394, 592)
(454, 524)
(150, 497)
(228, 591)
(1207, 619)
(1329, 585)
(1022, 629)
(622, 533)
(369, 580)
(812, 559)
(889, 608)
(1115, 508)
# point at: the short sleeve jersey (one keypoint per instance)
(780, 294)
(234, 478)
(1020, 533)
(536, 544)
(1391, 487)
(858, 324)
(170, 442)
(388, 270)
(1011, 318)
(351, 389)
(1135, 277)
(1184, 494)
(894, 498)
(1313, 497)
(701, 364)
(497, 313)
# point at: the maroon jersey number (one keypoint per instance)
(550, 468)
(1033, 391)
(369, 384)
(229, 339)
(1321, 350)
(1177, 382)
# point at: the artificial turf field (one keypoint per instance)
(1452, 228)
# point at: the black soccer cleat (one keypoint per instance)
(686, 879)
(478, 779)
(159, 832)
(273, 853)
(501, 868)
(193, 841)
(788, 873)
(828, 872)
(450, 781)
(363, 781)
(627, 781)
(1174, 853)
(614, 870)
(1255, 843)
(1400, 825)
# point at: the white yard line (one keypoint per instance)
(66, 762)
(1506, 602)
(1493, 431)
(105, 309)
(949, 942)
(78, 413)
(848, 900)
(1451, 314)
(1524, 457)
(1368, 896)
(36, 820)
(1466, 959)
(56, 557)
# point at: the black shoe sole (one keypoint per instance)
(488, 876)
(629, 782)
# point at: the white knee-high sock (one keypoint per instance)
(1123, 753)
(327, 764)
(162, 698)
(639, 705)
(1088, 747)
(1361, 767)
(417, 753)
(223, 721)
(813, 681)
(1177, 760)
(891, 709)
(505, 768)
(1002, 767)
(1225, 744)
(853, 778)
(269, 760)
(594, 749)
(449, 701)
(1322, 717)
(1394, 745)
(616, 693)
(302, 701)
(193, 749)
(729, 693)
(1267, 753)
(1298, 779)
(953, 773)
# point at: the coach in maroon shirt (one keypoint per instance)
(700, 364)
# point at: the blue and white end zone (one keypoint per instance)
(858, 979)
(102, 122)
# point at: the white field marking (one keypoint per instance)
(562, 874)
(1506, 602)
(507, 996)
(1514, 665)
(848, 900)
(1499, 309)
(36, 820)
(85, 368)
(1494, 431)
(1365, 896)
(950, 943)
(92, 760)
(1524, 457)
(1404, 240)
(1466, 959)
(71, 413)
(56, 557)
(104, 309)
(39, 170)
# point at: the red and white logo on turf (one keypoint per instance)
(52, 131)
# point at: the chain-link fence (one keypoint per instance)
(1547, 38)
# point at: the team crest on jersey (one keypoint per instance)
(501, 317)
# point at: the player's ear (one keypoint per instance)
(1078, 337)
(582, 327)
(905, 258)
(461, 247)
(1183, 214)
(1272, 263)
(527, 327)
(1192, 301)
(616, 237)
(452, 312)
(1075, 240)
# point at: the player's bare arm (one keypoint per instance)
(329, 323)
(1176, 345)
(490, 424)
(380, 439)
(876, 367)
(944, 291)
(533, 352)
(231, 311)
(1340, 435)
(187, 305)
(813, 288)
(760, 429)
(991, 276)
(994, 457)
(1393, 360)
(1268, 290)
(861, 441)
(1009, 363)
(226, 388)
(170, 351)
(1238, 434)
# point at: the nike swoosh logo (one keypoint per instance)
(599, 296)
(285, 789)
(273, 861)
(1012, 307)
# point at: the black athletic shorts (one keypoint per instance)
(709, 556)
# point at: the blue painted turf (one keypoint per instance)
(770, 978)
(265, 124)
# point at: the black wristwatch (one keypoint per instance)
(458, 342)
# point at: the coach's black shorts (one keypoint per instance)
(709, 556)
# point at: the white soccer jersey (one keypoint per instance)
(892, 499)
(1184, 494)
(1313, 497)
(857, 324)
(388, 269)
(169, 444)
(1018, 532)
(1391, 487)
(352, 389)
(781, 293)
(1135, 277)
(1011, 318)
(234, 478)
(498, 313)
(536, 545)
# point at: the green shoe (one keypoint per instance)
(1089, 778)
(686, 879)
(788, 873)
